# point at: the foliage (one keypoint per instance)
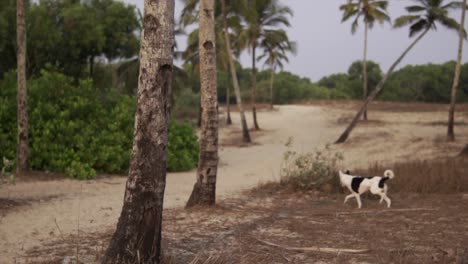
(79, 130)
(314, 170)
(183, 147)
(69, 34)
(423, 83)
(6, 174)
(427, 83)
(355, 71)
(369, 10)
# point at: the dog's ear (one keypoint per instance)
(348, 172)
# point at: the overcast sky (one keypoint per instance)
(326, 46)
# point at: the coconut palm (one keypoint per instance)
(456, 78)
(262, 17)
(137, 238)
(224, 54)
(370, 11)
(227, 12)
(275, 49)
(421, 19)
(204, 190)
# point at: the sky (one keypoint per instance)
(326, 46)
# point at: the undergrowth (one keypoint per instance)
(310, 170)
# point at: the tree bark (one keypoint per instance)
(456, 78)
(364, 69)
(377, 89)
(272, 79)
(22, 149)
(204, 190)
(228, 96)
(254, 87)
(235, 82)
(137, 238)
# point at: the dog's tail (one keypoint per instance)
(389, 174)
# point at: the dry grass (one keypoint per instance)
(432, 176)
(445, 176)
(386, 106)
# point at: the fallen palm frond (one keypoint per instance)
(317, 249)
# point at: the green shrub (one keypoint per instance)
(306, 171)
(183, 147)
(79, 130)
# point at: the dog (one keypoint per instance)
(358, 185)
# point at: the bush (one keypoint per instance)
(76, 129)
(308, 171)
(183, 147)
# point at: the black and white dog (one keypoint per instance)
(358, 185)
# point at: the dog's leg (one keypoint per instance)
(381, 198)
(389, 202)
(347, 197)
(358, 199)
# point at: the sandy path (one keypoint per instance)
(95, 205)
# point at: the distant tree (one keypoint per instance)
(456, 78)
(355, 75)
(370, 11)
(422, 19)
(22, 150)
(275, 48)
(69, 35)
(204, 190)
(262, 18)
(138, 235)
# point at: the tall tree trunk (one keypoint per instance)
(456, 78)
(254, 87)
(272, 77)
(200, 110)
(137, 238)
(377, 89)
(22, 149)
(204, 190)
(235, 82)
(228, 95)
(364, 69)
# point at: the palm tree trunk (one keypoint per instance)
(364, 69)
(22, 149)
(200, 111)
(377, 89)
(204, 190)
(456, 78)
(254, 87)
(245, 130)
(137, 238)
(271, 85)
(228, 96)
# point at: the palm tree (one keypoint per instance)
(262, 17)
(274, 52)
(370, 11)
(456, 78)
(232, 67)
(422, 19)
(22, 149)
(204, 191)
(137, 238)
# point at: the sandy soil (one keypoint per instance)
(44, 211)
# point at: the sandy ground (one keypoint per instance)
(48, 210)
